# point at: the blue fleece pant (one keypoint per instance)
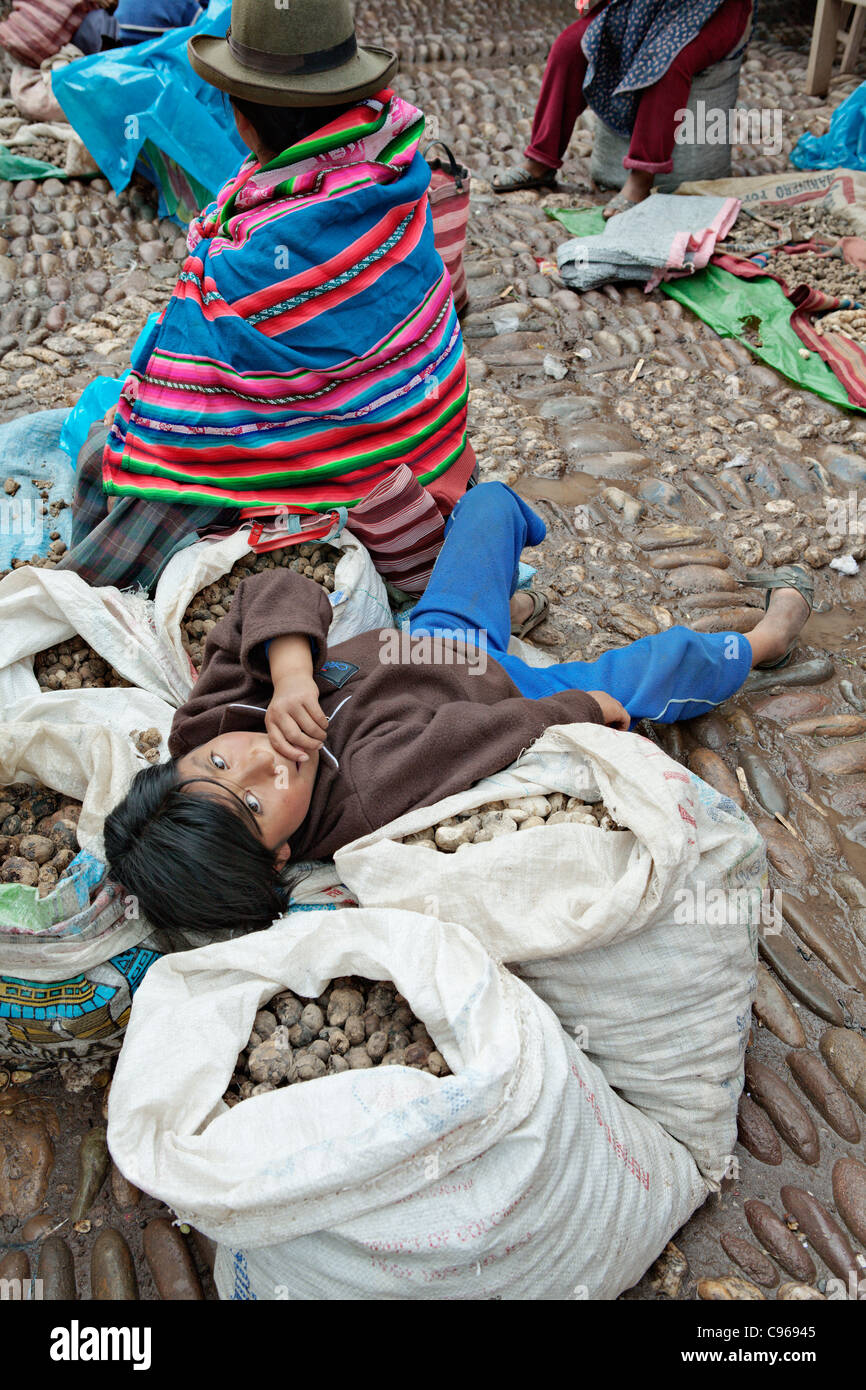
(672, 675)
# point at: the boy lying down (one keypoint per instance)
(288, 750)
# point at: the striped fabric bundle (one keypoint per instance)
(37, 29)
(449, 199)
(311, 344)
(402, 528)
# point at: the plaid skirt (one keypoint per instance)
(134, 541)
(131, 543)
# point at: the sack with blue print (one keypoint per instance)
(70, 961)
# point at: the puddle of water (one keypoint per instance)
(841, 630)
(854, 851)
(572, 491)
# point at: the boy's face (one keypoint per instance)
(277, 792)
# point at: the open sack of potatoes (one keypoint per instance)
(520, 1175)
(140, 641)
(642, 939)
(70, 954)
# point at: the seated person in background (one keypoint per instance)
(632, 62)
(311, 344)
(288, 750)
(119, 23)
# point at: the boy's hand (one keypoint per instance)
(294, 722)
(615, 715)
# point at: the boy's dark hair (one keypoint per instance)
(279, 127)
(189, 860)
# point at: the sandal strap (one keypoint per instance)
(787, 577)
(620, 203)
(540, 608)
(512, 180)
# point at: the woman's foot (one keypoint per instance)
(532, 175)
(637, 188)
(780, 626)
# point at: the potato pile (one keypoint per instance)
(38, 835)
(851, 322)
(213, 602)
(769, 223)
(497, 818)
(147, 743)
(809, 220)
(354, 1024)
(828, 273)
(73, 665)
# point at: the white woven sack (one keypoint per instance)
(140, 638)
(39, 607)
(94, 766)
(580, 909)
(521, 1176)
(841, 192)
(359, 601)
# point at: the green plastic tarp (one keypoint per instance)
(14, 167)
(727, 303)
(724, 301)
(579, 221)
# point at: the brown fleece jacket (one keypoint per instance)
(403, 734)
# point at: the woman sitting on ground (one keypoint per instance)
(632, 62)
(311, 343)
(290, 750)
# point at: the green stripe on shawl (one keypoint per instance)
(161, 495)
(296, 475)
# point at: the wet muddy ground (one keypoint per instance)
(610, 459)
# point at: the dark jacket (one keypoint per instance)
(403, 735)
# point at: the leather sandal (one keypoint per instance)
(619, 203)
(540, 610)
(787, 577)
(512, 180)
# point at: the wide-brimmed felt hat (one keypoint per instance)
(295, 53)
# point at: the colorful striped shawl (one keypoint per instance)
(311, 343)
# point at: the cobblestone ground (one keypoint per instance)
(606, 457)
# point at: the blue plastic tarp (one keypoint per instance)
(30, 448)
(94, 402)
(844, 145)
(92, 405)
(129, 103)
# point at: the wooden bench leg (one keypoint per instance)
(823, 50)
(854, 40)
